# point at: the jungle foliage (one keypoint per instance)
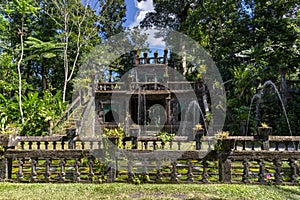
(43, 44)
(251, 41)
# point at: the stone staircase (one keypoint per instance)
(72, 118)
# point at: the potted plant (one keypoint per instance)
(198, 129)
(115, 135)
(198, 132)
(164, 137)
(224, 143)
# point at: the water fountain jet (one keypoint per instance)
(259, 97)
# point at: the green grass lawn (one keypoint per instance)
(146, 191)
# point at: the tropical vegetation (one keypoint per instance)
(44, 43)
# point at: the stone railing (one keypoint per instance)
(261, 167)
(94, 161)
(151, 166)
(271, 143)
(150, 60)
(149, 85)
(215, 166)
(40, 142)
(146, 142)
(114, 86)
(53, 166)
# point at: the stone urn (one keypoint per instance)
(225, 144)
(198, 133)
(134, 131)
(165, 51)
(4, 140)
(146, 58)
(264, 132)
(8, 140)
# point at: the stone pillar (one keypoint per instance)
(3, 170)
(112, 162)
(166, 56)
(198, 136)
(111, 173)
(168, 110)
(224, 168)
(71, 134)
(155, 57)
(146, 59)
(6, 141)
(263, 133)
(135, 57)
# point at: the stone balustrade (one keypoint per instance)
(152, 162)
(242, 143)
(274, 143)
(148, 85)
(160, 166)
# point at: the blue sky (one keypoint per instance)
(130, 12)
(135, 12)
(131, 9)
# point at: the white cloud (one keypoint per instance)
(145, 6)
(154, 43)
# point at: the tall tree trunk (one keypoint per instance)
(66, 68)
(66, 64)
(68, 76)
(44, 79)
(19, 71)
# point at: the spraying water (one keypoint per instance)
(259, 96)
(195, 104)
(282, 104)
